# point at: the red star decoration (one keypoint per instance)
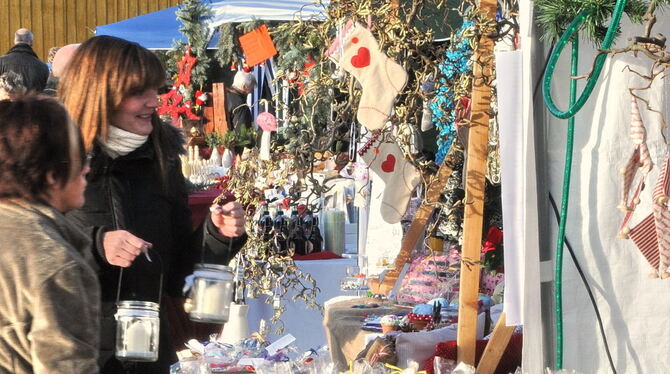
(185, 67)
(172, 102)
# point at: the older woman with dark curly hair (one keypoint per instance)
(49, 293)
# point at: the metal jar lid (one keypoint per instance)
(137, 308)
(213, 271)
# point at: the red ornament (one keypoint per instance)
(200, 98)
(462, 110)
(493, 238)
(172, 102)
(185, 67)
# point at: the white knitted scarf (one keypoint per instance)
(121, 142)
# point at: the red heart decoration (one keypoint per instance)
(362, 59)
(389, 164)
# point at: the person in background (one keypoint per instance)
(60, 60)
(22, 60)
(11, 86)
(239, 114)
(49, 293)
(50, 56)
(137, 200)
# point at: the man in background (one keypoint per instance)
(22, 60)
(239, 113)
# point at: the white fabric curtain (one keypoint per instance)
(632, 306)
(516, 76)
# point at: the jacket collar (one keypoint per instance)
(22, 48)
(71, 233)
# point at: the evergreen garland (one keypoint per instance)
(295, 43)
(227, 47)
(191, 14)
(554, 16)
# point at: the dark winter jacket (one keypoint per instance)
(22, 60)
(237, 109)
(128, 193)
(49, 293)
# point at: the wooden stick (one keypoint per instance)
(495, 347)
(475, 181)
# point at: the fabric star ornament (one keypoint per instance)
(401, 177)
(170, 105)
(185, 66)
(357, 52)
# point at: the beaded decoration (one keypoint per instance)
(453, 84)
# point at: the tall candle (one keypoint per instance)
(138, 337)
(334, 225)
(214, 300)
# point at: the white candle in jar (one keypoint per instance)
(138, 337)
(214, 300)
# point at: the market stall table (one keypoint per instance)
(343, 323)
(300, 321)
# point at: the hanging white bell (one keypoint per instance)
(237, 327)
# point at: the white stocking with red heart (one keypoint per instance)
(401, 177)
(357, 51)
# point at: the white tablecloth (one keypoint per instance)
(300, 321)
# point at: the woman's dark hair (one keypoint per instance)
(36, 137)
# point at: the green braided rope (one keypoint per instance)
(574, 106)
(568, 35)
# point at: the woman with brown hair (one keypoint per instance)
(137, 195)
(49, 294)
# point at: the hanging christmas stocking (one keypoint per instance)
(357, 51)
(401, 178)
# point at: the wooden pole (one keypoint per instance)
(475, 180)
(495, 347)
(219, 104)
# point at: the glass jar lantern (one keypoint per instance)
(137, 331)
(212, 293)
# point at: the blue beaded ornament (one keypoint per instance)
(457, 64)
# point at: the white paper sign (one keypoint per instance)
(283, 342)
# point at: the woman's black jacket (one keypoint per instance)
(129, 193)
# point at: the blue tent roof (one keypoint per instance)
(155, 30)
(158, 30)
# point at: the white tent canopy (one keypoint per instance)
(158, 30)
